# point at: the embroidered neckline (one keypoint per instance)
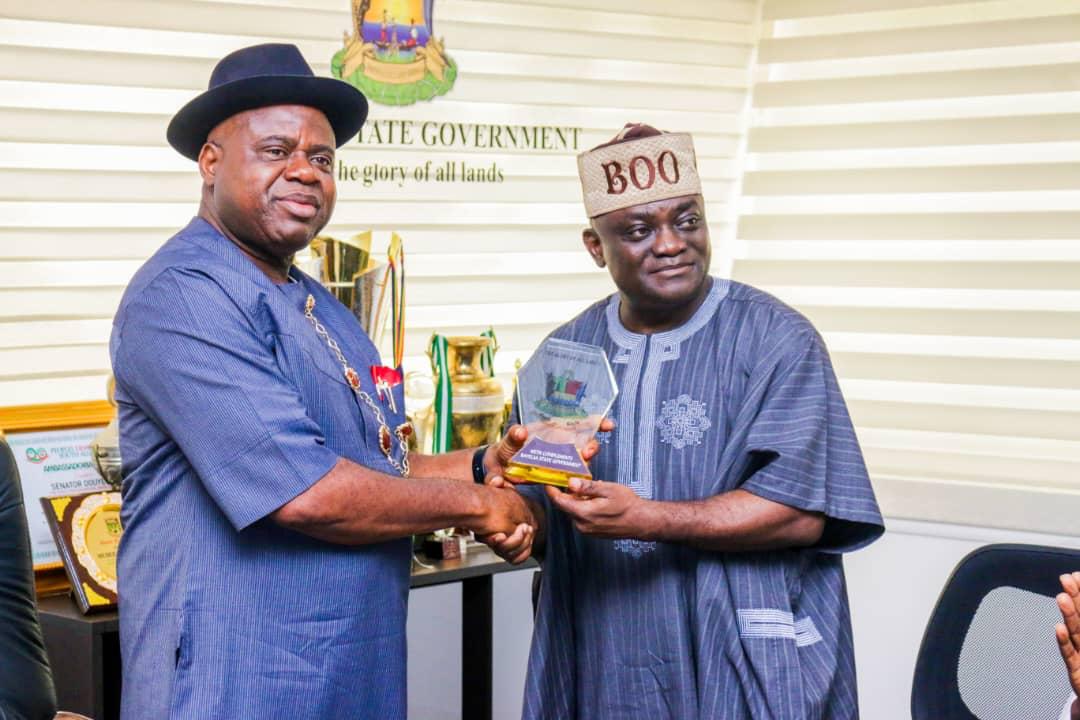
(630, 340)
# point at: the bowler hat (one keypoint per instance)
(259, 76)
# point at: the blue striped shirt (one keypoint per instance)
(230, 406)
(741, 396)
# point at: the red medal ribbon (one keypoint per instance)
(385, 378)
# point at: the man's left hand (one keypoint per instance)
(603, 509)
(497, 456)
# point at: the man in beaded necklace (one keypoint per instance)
(703, 579)
(264, 568)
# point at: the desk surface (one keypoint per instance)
(478, 561)
(63, 610)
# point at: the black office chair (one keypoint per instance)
(989, 651)
(26, 686)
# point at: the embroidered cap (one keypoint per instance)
(639, 165)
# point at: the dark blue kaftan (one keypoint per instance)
(230, 406)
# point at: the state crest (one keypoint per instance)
(392, 54)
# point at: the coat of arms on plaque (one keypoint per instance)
(392, 54)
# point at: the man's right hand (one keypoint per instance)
(515, 548)
(1068, 633)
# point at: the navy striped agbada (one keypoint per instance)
(743, 395)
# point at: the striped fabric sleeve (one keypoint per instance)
(195, 364)
(801, 449)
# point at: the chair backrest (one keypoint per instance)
(989, 651)
(26, 688)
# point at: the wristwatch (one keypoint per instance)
(478, 471)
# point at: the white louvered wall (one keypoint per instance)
(913, 185)
(89, 189)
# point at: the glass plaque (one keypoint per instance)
(564, 392)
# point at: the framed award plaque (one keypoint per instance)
(87, 531)
(53, 453)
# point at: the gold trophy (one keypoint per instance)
(478, 406)
(346, 268)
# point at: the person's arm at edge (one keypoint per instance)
(735, 521)
(1068, 634)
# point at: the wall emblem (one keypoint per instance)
(392, 54)
(683, 422)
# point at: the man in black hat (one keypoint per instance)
(267, 492)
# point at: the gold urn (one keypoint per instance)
(478, 407)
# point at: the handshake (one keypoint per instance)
(513, 522)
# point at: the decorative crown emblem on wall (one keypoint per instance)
(392, 54)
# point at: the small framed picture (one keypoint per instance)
(87, 530)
